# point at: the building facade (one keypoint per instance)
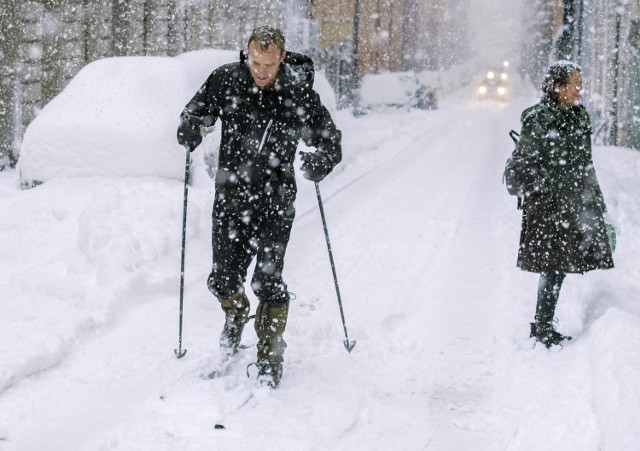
(610, 54)
(603, 36)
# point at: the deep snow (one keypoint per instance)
(424, 237)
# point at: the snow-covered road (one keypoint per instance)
(424, 239)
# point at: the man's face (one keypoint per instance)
(264, 65)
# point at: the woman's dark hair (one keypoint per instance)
(265, 36)
(558, 73)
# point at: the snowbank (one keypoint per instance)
(616, 367)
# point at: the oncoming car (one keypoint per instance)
(494, 86)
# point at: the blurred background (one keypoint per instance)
(445, 44)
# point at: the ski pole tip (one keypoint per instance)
(349, 345)
(180, 354)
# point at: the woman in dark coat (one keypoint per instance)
(563, 227)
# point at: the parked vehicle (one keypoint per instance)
(394, 90)
(427, 98)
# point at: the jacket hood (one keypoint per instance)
(296, 69)
(551, 111)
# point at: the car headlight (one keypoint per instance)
(503, 76)
(482, 89)
(502, 90)
(490, 75)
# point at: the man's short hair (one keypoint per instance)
(266, 36)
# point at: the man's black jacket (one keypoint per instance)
(261, 128)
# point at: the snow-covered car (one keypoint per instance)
(427, 98)
(128, 128)
(394, 89)
(494, 86)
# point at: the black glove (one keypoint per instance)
(189, 132)
(315, 166)
(539, 187)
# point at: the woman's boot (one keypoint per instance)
(543, 328)
(546, 334)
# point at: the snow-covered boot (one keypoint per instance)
(236, 311)
(547, 334)
(270, 323)
(548, 292)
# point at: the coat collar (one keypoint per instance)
(573, 115)
(296, 71)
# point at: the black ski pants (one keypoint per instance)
(244, 228)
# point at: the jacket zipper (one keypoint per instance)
(265, 136)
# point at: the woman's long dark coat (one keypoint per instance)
(563, 228)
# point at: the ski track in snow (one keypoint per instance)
(424, 239)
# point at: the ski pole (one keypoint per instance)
(347, 344)
(181, 352)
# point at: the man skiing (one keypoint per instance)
(266, 105)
